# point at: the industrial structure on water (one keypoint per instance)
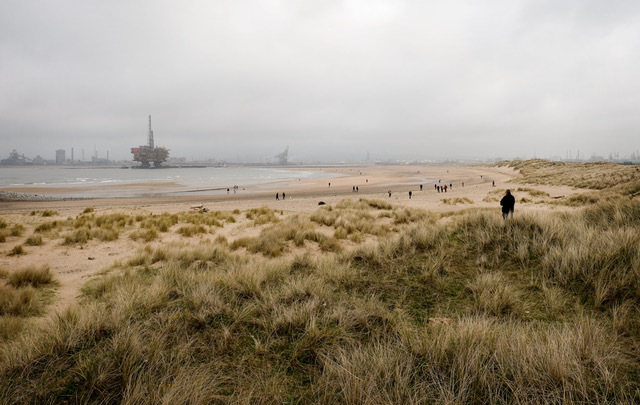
(283, 158)
(145, 154)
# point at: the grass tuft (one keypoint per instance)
(16, 230)
(17, 250)
(19, 302)
(34, 240)
(32, 276)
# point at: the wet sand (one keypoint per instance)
(371, 181)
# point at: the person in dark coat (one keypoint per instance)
(507, 203)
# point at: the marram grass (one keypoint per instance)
(538, 309)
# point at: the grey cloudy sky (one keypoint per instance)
(333, 79)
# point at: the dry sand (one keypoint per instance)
(74, 265)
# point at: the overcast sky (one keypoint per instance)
(332, 79)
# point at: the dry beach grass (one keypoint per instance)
(363, 300)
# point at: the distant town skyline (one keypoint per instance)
(62, 157)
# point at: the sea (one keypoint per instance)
(100, 182)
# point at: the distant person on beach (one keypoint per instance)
(410, 194)
(389, 193)
(445, 188)
(329, 184)
(420, 187)
(450, 186)
(463, 184)
(508, 202)
(493, 183)
(277, 198)
(283, 195)
(357, 190)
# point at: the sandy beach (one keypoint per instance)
(74, 265)
(302, 195)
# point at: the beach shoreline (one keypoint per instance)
(303, 194)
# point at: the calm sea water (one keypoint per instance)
(103, 182)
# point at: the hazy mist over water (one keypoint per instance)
(91, 182)
(335, 80)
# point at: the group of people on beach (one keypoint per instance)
(507, 202)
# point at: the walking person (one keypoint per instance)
(508, 202)
(277, 196)
(410, 194)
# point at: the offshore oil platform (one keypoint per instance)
(283, 158)
(145, 154)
